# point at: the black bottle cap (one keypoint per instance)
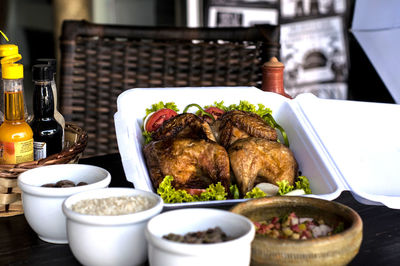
(50, 61)
(42, 72)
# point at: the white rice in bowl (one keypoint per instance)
(113, 205)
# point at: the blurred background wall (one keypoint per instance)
(35, 25)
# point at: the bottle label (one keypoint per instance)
(16, 152)
(39, 149)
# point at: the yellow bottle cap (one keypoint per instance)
(12, 71)
(8, 49)
(10, 59)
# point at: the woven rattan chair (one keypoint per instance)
(98, 62)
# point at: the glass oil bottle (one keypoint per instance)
(47, 132)
(57, 115)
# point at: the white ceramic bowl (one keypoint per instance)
(43, 205)
(109, 240)
(182, 221)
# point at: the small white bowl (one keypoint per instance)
(43, 205)
(109, 240)
(182, 221)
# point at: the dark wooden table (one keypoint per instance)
(19, 245)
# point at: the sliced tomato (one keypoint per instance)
(158, 118)
(215, 111)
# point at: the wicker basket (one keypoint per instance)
(10, 194)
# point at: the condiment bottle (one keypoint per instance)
(10, 51)
(16, 136)
(47, 132)
(5, 50)
(273, 77)
(57, 115)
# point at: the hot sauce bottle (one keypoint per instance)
(47, 132)
(16, 136)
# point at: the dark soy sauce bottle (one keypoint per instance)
(47, 132)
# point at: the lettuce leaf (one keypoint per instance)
(171, 195)
(147, 136)
(234, 191)
(161, 105)
(284, 187)
(255, 193)
(219, 105)
(248, 107)
(213, 192)
(301, 182)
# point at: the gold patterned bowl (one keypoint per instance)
(337, 249)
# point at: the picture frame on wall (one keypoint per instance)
(293, 9)
(231, 16)
(315, 52)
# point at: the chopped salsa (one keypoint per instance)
(293, 227)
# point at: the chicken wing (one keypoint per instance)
(256, 160)
(194, 163)
(234, 125)
(186, 125)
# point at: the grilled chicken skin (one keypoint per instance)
(235, 125)
(186, 125)
(256, 160)
(194, 163)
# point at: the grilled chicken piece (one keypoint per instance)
(186, 125)
(257, 160)
(194, 163)
(234, 125)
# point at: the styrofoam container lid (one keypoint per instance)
(339, 145)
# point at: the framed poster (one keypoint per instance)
(314, 51)
(235, 16)
(291, 9)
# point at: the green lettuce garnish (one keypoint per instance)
(248, 107)
(300, 183)
(217, 192)
(284, 187)
(171, 195)
(214, 192)
(303, 183)
(255, 193)
(252, 194)
(161, 105)
(234, 191)
(219, 105)
(147, 136)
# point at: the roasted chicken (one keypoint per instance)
(238, 145)
(235, 125)
(194, 163)
(255, 160)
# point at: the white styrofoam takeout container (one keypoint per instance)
(339, 145)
